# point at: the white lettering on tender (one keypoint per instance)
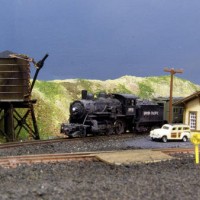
(130, 109)
(150, 113)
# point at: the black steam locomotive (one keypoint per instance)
(111, 114)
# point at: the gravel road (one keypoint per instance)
(146, 143)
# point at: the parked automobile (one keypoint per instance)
(171, 132)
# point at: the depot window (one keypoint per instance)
(193, 120)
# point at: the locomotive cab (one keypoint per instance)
(128, 102)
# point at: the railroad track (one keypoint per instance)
(14, 161)
(32, 142)
(49, 141)
(175, 150)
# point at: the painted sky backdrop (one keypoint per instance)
(104, 39)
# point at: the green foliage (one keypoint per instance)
(51, 90)
(159, 79)
(146, 90)
(121, 89)
(85, 84)
(51, 107)
(2, 138)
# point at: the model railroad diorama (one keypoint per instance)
(75, 162)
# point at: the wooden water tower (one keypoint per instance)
(16, 105)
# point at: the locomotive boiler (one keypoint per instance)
(111, 114)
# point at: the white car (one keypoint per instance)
(171, 132)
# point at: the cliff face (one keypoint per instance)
(54, 97)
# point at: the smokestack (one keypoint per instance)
(84, 94)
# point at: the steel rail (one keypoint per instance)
(14, 161)
(176, 150)
(33, 142)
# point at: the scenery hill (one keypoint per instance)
(54, 97)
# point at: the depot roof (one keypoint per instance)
(187, 99)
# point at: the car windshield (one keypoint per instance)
(165, 127)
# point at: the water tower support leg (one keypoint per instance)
(37, 136)
(9, 122)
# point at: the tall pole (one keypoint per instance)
(172, 71)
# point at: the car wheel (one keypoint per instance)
(152, 139)
(164, 139)
(185, 139)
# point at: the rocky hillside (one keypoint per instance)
(54, 97)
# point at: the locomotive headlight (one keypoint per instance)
(74, 109)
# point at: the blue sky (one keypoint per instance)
(104, 39)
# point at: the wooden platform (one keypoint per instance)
(132, 156)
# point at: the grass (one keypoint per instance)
(146, 91)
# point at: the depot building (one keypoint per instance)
(191, 112)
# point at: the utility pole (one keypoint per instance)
(172, 71)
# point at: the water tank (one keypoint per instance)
(14, 79)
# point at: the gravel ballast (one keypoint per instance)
(94, 144)
(174, 179)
